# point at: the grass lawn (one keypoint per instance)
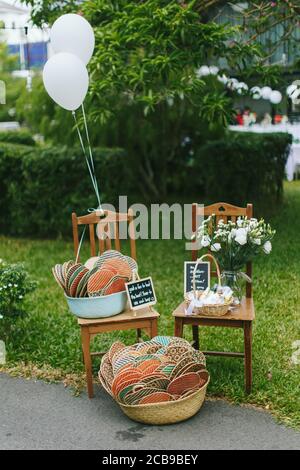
(47, 343)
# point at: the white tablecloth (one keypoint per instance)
(294, 129)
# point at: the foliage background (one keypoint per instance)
(50, 183)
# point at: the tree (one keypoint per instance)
(8, 62)
(256, 17)
(10, 87)
(145, 62)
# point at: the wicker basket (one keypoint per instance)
(214, 310)
(104, 384)
(168, 412)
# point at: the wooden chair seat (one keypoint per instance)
(127, 315)
(244, 312)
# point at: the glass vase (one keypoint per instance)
(234, 280)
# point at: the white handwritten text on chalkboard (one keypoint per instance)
(141, 293)
(202, 276)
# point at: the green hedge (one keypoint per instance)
(17, 137)
(244, 167)
(41, 187)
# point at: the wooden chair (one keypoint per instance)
(241, 317)
(107, 230)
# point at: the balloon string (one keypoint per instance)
(87, 136)
(89, 146)
(84, 152)
(80, 243)
(92, 173)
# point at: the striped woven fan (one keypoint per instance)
(99, 280)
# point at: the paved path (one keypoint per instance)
(37, 415)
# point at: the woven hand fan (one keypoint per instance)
(115, 347)
(159, 383)
(136, 396)
(72, 278)
(162, 340)
(150, 369)
(150, 362)
(183, 383)
(109, 265)
(204, 375)
(166, 369)
(78, 275)
(153, 376)
(176, 351)
(58, 278)
(124, 383)
(108, 254)
(180, 366)
(189, 392)
(132, 263)
(117, 284)
(81, 290)
(119, 382)
(192, 367)
(65, 268)
(129, 388)
(122, 361)
(121, 266)
(156, 397)
(69, 273)
(90, 263)
(99, 280)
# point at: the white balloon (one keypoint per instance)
(256, 93)
(266, 92)
(275, 97)
(204, 71)
(66, 80)
(72, 33)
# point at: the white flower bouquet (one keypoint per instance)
(235, 243)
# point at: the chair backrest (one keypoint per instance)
(226, 212)
(106, 228)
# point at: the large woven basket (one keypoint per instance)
(168, 412)
(104, 384)
(214, 310)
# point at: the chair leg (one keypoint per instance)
(195, 336)
(178, 327)
(153, 328)
(138, 335)
(85, 340)
(248, 355)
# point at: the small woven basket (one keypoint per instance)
(214, 310)
(168, 412)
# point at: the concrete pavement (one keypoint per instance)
(38, 415)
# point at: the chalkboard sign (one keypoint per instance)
(141, 293)
(202, 275)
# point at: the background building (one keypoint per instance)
(25, 40)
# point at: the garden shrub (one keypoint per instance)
(40, 188)
(15, 284)
(244, 167)
(21, 137)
